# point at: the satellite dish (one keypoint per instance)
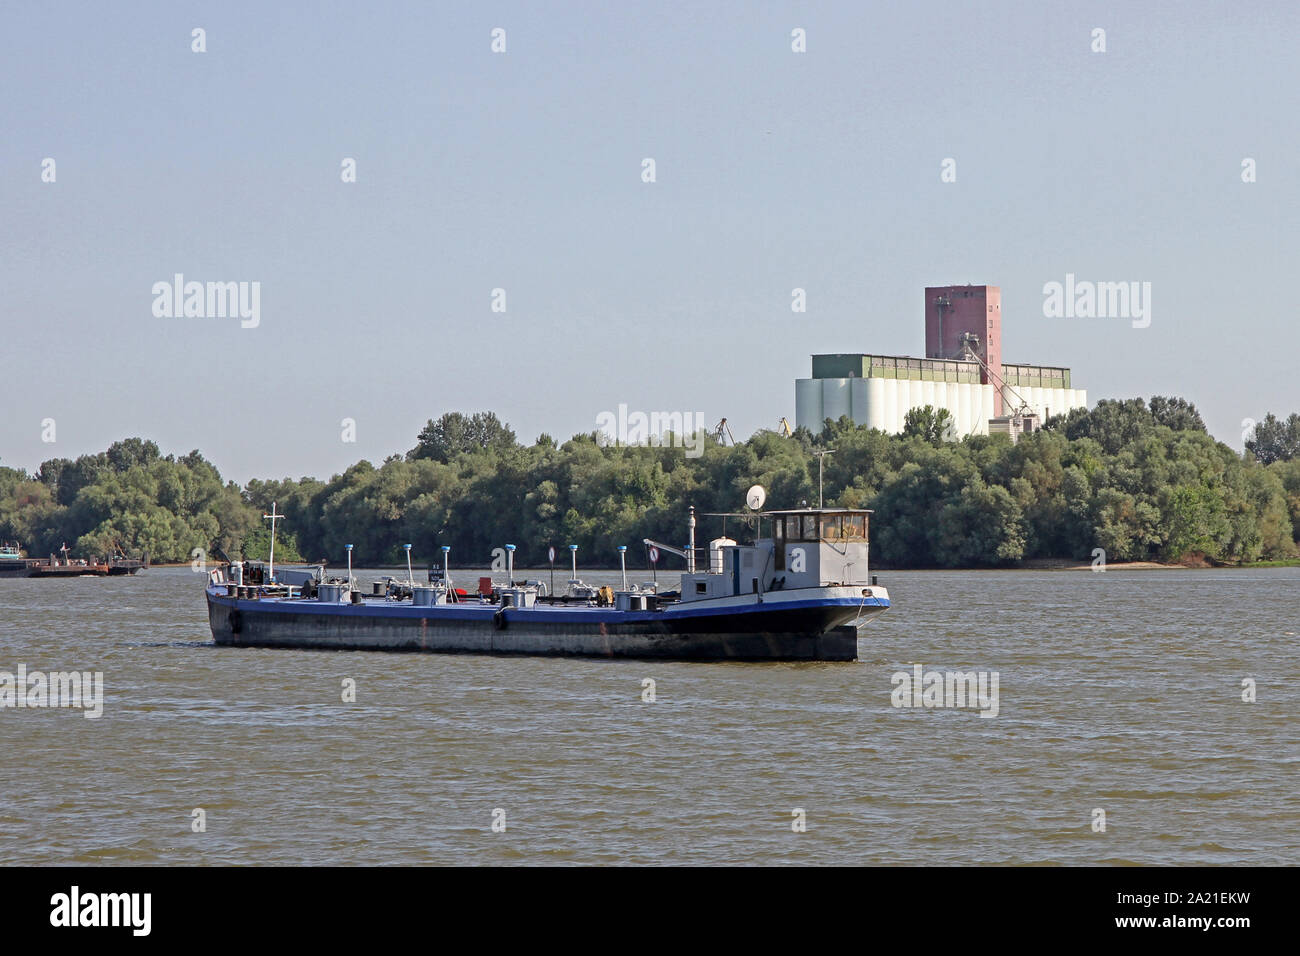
(755, 497)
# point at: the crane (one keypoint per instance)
(722, 428)
(784, 423)
(969, 342)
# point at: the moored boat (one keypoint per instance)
(800, 593)
(77, 568)
(12, 562)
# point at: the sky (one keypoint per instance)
(524, 171)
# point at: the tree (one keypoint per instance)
(1140, 481)
(1194, 521)
(928, 424)
(256, 546)
(1176, 413)
(906, 531)
(983, 526)
(1113, 424)
(130, 452)
(51, 471)
(455, 434)
(1288, 473)
(69, 477)
(1276, 440)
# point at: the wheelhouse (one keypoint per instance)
(816, 546)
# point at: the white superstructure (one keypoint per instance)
(883, 403)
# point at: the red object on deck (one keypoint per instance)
(485, 586)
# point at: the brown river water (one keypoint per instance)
(1118, 692)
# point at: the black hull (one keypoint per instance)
(802, 634)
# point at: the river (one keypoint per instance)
(1118, 692)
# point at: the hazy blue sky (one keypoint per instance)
(522, 171)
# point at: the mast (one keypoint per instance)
(274, 518)
(821, 459)
(690, 551)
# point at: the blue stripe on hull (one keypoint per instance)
(475, 612)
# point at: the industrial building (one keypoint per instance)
(963, 372)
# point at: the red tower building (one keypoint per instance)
(957, 315)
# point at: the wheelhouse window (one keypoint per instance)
(787, 529)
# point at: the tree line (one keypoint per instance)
(1142, 481)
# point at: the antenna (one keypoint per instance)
(821, 459)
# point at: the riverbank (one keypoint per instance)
(1066, 564)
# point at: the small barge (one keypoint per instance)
(14, 565)
(801, 593)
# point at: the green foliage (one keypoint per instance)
(1288, 475)
(1143, 482)
(1176, 413)
(1276, 440)
(1117, 424)
(128, 498)
(929, 424)
(457, 434)
(257, 546)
